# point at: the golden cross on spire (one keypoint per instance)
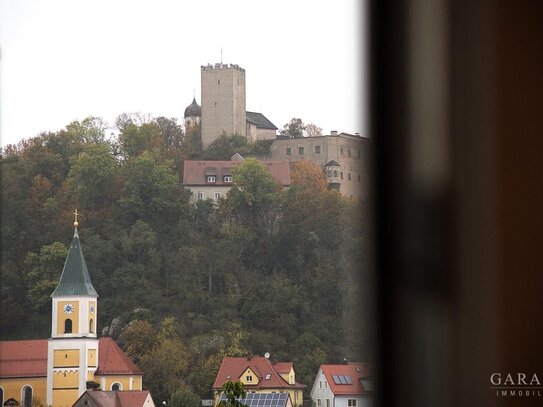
(76, 223)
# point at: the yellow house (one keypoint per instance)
(260, 375)
(57, 371)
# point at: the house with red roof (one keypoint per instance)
(58, 370)
(209, 179)
(343, 385)
(115, 398)
(259, 374)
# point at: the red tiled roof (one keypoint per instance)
(349, 370)
(29, 359)
(113, 398)
(23, 358)
(282, 367)
(232, 368)
(132, 398)
(194, 172)
(112, 360)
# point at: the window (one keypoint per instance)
(317, 149)
(116, 386)
(91, 326)
(329, 173)
(327, 402)
(319, 402)
(301, 150)
(335, 173)
(325, 384)
(341, 150)
(358, 153)
(320, 384)
(227, 178)
(218, 82)
(217, 195)
(249, 379)
(268, 377)
(358, 177)
(351, 402)
(349, 176)
(211, 178)
(289, 151)
(341, 175)
(1, 396)
(27, 396)
(68, 326)
(200, 196)
(349, 152)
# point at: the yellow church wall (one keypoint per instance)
(91, 357)
(13, 388)
(65, 380)
(124, 380)
(62, 317)
(136, 385)
(65, 398)
(66, 358)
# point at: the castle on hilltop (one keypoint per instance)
(223, 107)
(343, 157)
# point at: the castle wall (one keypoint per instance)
(351, 152)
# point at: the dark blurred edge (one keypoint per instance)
(456, 118)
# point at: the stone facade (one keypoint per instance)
(223, 101)
(347, 150)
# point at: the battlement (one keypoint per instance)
(210, 67)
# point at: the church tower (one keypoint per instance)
(72, 351)
(223, 101)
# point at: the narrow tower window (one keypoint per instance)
(68, 326)
(91, 326)
(27, 396)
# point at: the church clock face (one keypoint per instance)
(91, 308)
(68, 309)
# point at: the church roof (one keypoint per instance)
(75, 279)
(23, 358)
(29, 359)
(112, 360)
(259, 120)
(193, 109)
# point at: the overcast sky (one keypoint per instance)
(64, 60)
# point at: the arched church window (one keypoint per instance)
(1, 396)
(68, 326)
(91, 326)
(116, 386)
(27, 396)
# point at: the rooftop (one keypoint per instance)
(264, 368)
(29, 359)
(75, 279)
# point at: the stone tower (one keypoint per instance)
(223, 101)
(73, 348)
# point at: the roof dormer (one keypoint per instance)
(249, 377)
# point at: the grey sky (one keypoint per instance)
(64, 60)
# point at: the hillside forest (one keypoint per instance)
(181, 286)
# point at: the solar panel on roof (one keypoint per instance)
(348, 379)
(263, 400)
(336, 379)
(342, 379)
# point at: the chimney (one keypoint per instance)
(333, 133)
